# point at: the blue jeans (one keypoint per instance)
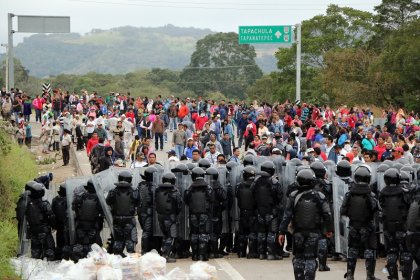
(139, 131)
(179, 149)
(172, 123)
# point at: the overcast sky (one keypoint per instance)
(218, 15)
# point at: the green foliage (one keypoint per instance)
(16, 168)
(393, 14)
(219, 63)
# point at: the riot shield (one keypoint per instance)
(223, 180)
(289, 173)
(157, 179)
(23, 245)
(341, 224)
(380, 176)
(181, 185)
(258, 161)
(330, 166)
(234, 178)
(74, 187)
(354, 166)
(373, 169)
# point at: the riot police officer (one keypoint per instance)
(325, 188)
(248, 160)
(395, 204)
(310, 214)
(268, 196)
(219, 204)
(168, 206)
(89, 221)
(247, 215)
(124, 201)
(361, 206)
(59, 208)
(199, 197)
(145, 211)
(204, 163)
(40, 219)
(343, 171)
(413, 233)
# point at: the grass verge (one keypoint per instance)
(17, 166)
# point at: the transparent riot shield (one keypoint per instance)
(289, 173)
(258, 161)
(157, 179)
(74, 187)
(279, 162)
(354, 166)
(182, 185)
(233, 179)
(373, 169)
(341, 224)
(23, 245)
(330, 166)
(380, 176)
(223, 180)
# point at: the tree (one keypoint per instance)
(392, 14)
(219, 63)
(340, 27)
(396, 70)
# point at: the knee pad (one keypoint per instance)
(353, 253)
(369, 254)
(271, 238)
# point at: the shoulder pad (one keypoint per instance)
(321, 195)
(274, 180)
(293, 194)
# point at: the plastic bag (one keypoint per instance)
(130, 267)
(85, 269)
(152, 266)
(98, 255)
(202, 271)
(177, 274)
(107, 273)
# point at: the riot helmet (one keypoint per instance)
(180, 168)
(296, 162)
(230, 165)
(388, 162)
(305, 178)
(301, 167)
(197, 173)
(405, 177)
(169, 178)
(213, 172)
(362, 175)
(249, 173)
(392, 177)
(125, 176)
(204, 163)
(319, 169)
(248, 160)
(268, 166)
(397, 165)
(89, 186)
(191, 166)
(382, 167)
(29, 185)
(410, 170)
(62, 189)
(343, 169)
(148, 173)
(37, 190)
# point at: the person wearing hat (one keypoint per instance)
(172, 156)
(398, 153)
(188, 151)
(65, 146)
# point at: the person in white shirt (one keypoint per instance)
(139, 162)
(212, 154)
(65, 146)
(90, 126)
(172, 156)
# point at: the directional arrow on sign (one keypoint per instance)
(278, 34)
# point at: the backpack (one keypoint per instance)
(97, 152)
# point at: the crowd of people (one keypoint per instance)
(207, 136)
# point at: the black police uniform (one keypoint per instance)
(89, 221)
(247, 215)
(395, 204)
(145, 211)
(361, 206)
(168, 206)
(124, 201)
(310, 214)
(40, 218)
(199, 197)
(59, 207)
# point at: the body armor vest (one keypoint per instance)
(264, 196)
(34, 213)
(307, 215)
(88, 211)
(199, 200)
(59, 207)
(123, 205)
(146, 195)
(246, 200)
(165, 202)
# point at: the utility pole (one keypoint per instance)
(7, 67)
(11, 65)
(298, 59)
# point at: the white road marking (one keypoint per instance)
(228, 268)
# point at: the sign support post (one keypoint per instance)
(10, 63)
(298, 59)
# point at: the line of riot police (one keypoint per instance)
(199, 210)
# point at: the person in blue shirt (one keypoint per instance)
(190, 148)
(242, 123)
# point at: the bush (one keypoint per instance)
(17, 166)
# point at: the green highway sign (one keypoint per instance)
(265, 34)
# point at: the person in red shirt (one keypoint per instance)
(381, 147)
(92, 143)
(130, 115)
(315, 113)
(351, 120)
(200, 121)
(288, 119)
(183, 111)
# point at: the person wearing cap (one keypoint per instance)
(398, 153)
(172, 156)
(188, 151)
(216, 143)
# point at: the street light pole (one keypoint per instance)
(11, 66)
(298, 59)
(7, 67)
